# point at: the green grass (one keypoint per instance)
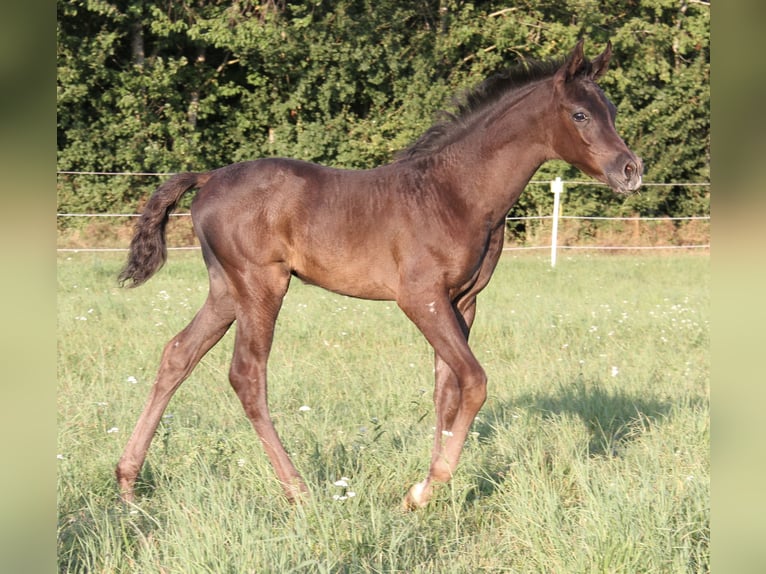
(590, 455)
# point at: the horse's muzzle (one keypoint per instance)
(628, 175)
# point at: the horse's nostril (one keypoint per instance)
(633, 169)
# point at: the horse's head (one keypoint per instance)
(587, 137)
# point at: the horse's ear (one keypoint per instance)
(600, 64)
(573, 64)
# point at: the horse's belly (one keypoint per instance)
(363, 281)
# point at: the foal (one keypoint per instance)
(425, 231)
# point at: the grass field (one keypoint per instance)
(590, 455)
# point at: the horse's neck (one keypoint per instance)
(501, 154)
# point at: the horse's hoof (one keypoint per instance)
(127, 496)
(126, 492)
(417, 497)
(297, 494)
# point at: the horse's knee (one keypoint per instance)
(249, 385)
(176, 360)
(474, 390)
(241, 382)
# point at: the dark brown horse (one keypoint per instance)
(425, 231)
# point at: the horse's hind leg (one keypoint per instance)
(259, 304)
(181, 355)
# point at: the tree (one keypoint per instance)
(165, 86)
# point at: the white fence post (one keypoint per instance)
(557, 186)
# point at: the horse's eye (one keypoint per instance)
(579, 116)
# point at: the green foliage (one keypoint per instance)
(166, 86)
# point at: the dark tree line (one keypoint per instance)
(166, 86)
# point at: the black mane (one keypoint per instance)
(477, 99)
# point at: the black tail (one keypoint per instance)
(148, 251)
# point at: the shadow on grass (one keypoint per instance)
(614, 420)
(612, 417)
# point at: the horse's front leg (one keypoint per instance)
(459, 392)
